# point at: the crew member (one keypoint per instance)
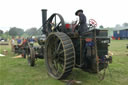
(82, 21)
(82, 28)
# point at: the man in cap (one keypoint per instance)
(82, 21)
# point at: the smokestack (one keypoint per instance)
(44, 16)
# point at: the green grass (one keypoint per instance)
(15, 71)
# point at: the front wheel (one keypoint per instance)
(31, 57)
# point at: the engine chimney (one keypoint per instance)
(44, 16)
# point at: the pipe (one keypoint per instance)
(44, 19)
(44, 16)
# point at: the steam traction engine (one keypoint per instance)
(65, 49)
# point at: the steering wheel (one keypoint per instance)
(92, 23)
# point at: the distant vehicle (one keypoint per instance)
(121, 34)
(2, 39)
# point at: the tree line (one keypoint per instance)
(14, 31)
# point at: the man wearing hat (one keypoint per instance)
(82, 28)
(82, 21)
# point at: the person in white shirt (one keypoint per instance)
(12, 44)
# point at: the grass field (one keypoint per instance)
(15, 71)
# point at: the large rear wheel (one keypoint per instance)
(59, 55)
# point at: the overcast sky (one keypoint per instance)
(27, 13)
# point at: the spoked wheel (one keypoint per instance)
(60, 55)
(55, 23)
(31, 56)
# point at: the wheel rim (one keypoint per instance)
(58, 60)
(31, 57)
(55, 23)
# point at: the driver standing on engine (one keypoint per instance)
(82, 28)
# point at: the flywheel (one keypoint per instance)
(59, 55)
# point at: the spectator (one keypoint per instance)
(12, 44)
(19, 41)
(31, 40)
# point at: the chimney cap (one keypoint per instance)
(43, 9)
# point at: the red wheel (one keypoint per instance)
(92, 22)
